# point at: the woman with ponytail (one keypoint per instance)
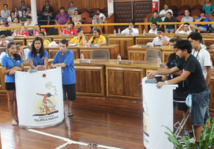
(11, 63)
(97, 38)
(80, 37)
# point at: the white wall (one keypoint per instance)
(110, 6)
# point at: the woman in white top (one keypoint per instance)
(76, 18)
(153, 29)
(11, 18)
(29, 11)
(130, 30)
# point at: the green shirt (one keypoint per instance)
(152, 19)
(208, 9)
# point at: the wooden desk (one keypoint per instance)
(135, 52)
(113, 49)
(124, 42)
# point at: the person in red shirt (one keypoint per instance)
(23, 32)
(38, 29)
(70, 30)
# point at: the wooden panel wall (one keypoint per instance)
(56, 4)
(180, 3)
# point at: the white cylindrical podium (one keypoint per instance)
(157, 111)
(39, 98)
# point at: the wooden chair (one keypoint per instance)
(197, 7)
(100, 54)
(52, 53)
(194, 17)
(85, 15)
(179, 18)
(181, 12)
(83, 10)
(105, 9)
(185, 7)
(195, 12)
(86, 29)
(93, 10)
(88, 20)
(107, 39)
(210, 17)
(173, 7)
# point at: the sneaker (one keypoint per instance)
(186, 133)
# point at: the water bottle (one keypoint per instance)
(29, 44)
(118, 30)
(159, 61)
(144, 32)
(115, 33)
(81, 56)
(78, 42)
(118, 58)
(61, 33)
(14, 32)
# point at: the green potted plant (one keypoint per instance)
(206, 138)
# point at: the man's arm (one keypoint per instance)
(199, 20)
(209, 74)
(165, 42)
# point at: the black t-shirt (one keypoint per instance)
(173, 61)
(195, 81)
(170, 20)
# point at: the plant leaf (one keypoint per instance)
(186, 141)
(203, 135)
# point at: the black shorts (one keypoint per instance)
(10, 86)
(180, 96)
(71, 92)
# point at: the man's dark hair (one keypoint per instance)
(18, 43)
(156, 11)
(169, 13)
(155, 23)
(47, 1)
(166, 4)
(41, 32)
(202, 11)
(64, 41)
(99, 10)
(72, 22)
(161, 29)
(22, 1)
(186, 23)
(184, 45)
(195, 36)
(23, 11)
(133, 22)
(96, 14)
(5, 4)
(71, 2)
(62, 8)
(2, 36)
(28, 17)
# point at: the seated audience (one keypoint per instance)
(208, 7)
(47, 11)
(161, 38)
(38, 29)
(153, 27)
(23, 18)
(23, 32)
(2, 24)
(187, 17)
(70, 30)
(130, 30)
(185, 29)
(62, 18)
(202, 18)
(29, 11)
(97, 20)
(45, 41)
(170, 28)
(97, 38)
(16, 12)
(76, 17)
(155, 17)
(15, 24)
(163, 12)
(19, 50)
(23, 6)
(80, 37)
(3, 41)
(101, 15)
(11, 18)
(5, 13)
(71, 10)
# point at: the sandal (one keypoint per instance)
(70, 114)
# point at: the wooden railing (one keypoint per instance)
(112, 24)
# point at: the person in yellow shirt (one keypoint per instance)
(97, 38)
(80, 37)
(45, 41)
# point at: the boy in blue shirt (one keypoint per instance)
(65, 59)
(11, 62)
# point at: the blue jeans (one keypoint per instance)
(5, 19)
(200, 107)
(49, 18)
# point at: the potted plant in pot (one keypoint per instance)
(206, 138)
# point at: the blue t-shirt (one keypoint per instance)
(203, 20)
(37, 60)
(8, 62)
(68, 74)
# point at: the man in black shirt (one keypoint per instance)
(170, 28)
(196, 84)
